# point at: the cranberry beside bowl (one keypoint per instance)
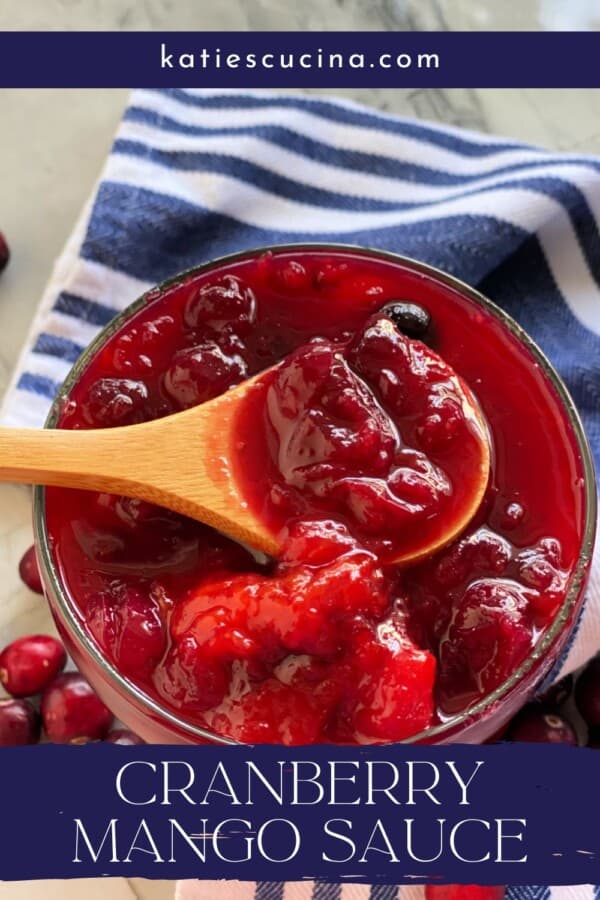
(362, 441)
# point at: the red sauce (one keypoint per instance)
(360, 444)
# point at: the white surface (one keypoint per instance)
(54, 142)
(90, 889)
(95, 889)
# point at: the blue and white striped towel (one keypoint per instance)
(196, 174)
(305, 890)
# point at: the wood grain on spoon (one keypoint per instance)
(182, 462)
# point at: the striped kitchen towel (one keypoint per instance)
(197, 174)
(307, 890)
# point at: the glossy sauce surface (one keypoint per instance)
(332, 643)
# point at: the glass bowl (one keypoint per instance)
(481, 721)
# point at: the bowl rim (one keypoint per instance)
(73, 622)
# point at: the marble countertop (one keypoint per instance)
(55, 141)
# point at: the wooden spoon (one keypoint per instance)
(181, 462)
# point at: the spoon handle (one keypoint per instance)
(178, 462)
(79, 459)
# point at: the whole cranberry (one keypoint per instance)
(70, 709)
(30, 572)
(197, 374)
(463, 892)
(536, 725)
(410, 318)
(115, 401)
(124, 737)
(19, 723)
(226, 300)
(587, 693)
(489, 635)
(4, 252)
(30, 663)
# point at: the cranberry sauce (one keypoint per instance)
(332, 642)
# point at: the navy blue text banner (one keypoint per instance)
(299, 59)
(505, 814)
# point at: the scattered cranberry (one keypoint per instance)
(124, 737)
(19, 723)
(30, 572)
(30, 663)
(558, 694)
(463, 892)
(70, 709)
(587, 693)
(4, 252)
(535, 725)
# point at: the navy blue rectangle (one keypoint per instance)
(320, 59)
(104, 810)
